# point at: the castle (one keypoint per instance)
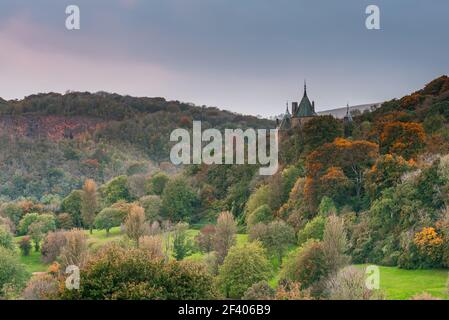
(301, 113)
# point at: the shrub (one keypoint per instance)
(12, 273)
(335, 244)
(349, 284)
(243, 267)
(74, 252)
(41, 287)
(25, 245)
(128, 273)
(52, 245)
(291, 291)
(314, 229)
(6, 239)
(430, 245)
(153, 246)
(259, 291)
(47, 220)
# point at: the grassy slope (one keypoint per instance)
(397, 283)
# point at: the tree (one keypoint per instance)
(243, 267)
(403, 138)
(108, 218)
(225, 237)
(12, 273)
(350, 284)
(276, 237)
(314, 229)
(37, 232)
(152, 206)
(89, 203)
(116, 190)
(335, 244)
(321, 130)
(205, 239)
(72, 205)
(48, 221)
(262, 214)
(260, 291)
(25, 246)
(178, 200)
(52, 246)
(6, 239)
(12, 211)
(153, 246)
(156, 184)
(135, 226)
(182, 246)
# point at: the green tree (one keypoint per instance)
(243, 267)
(314, 229)
(6, 239)
(156, 184)
(178, 200)
(321, 130)
(48, 221)
(262, 214)
(72, 205)
(89, 203)
(12, 273)
(182, 246)
(108, 218)
(13, 211)
(116, 190)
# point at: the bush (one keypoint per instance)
(41, 287)
(52, 246)
(291, 291)
(47, 220)
(6, 239)
(128, 273)
(178, 200)
(243, 267)
(182, 246)
(74, 252)
(153, 246)
(259, 291)
(349, 284)
(12, 273)
(314, 229)
(25, 245)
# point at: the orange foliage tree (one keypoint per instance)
(403, 138)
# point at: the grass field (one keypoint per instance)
(398, 284)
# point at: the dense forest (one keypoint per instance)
(374, 190)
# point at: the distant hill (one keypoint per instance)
(339, 113)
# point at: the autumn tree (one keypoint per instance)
(321, 130)
(89, 203)
(225, 235)
(403, 138)
(205, 239)
(135, 226)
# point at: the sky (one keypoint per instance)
(247, 56)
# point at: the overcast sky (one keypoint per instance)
(249, 56)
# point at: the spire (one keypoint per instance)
(305, 87)
(287, 112)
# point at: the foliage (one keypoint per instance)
(135, 225)
(314, 229)
(321, 130)
(74, 251)
(205, 238)
(108, 218)
(243, 267)
(225, 235)
(72, 205)
(152, 205)
(52, 245)
(262, 214)
(259, 291)
(119, 273)
(47, 220)
(41, 287)
(116, 190)
(89, 203)
(6, 239)
(156, 184)
(12, 273)
(25, 246)
(402, 138)
(153, 246)
(178, 200)
(182, 246)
